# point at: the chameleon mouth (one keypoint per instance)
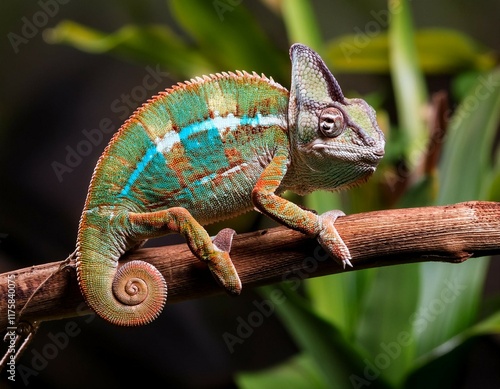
(377, 154)
(366, 156)
(373, 157)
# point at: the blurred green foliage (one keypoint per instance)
(382, 327)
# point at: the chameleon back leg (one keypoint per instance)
(135, 293)
(177, 219)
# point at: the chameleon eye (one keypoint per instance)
(331, 122)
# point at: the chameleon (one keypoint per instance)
(208, 149)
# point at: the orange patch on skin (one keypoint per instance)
(233, 156)
(178, 158)
(218, 180)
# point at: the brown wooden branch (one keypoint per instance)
(449, 233)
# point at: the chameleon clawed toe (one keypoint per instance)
(330, 239)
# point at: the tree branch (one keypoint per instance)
(448, 233)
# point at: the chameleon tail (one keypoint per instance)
(132, 295)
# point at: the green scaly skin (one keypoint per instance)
(209, 149)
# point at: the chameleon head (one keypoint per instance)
(335, 141)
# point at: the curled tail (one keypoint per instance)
(130, 294)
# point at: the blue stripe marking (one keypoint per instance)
(203, 147)
(150, 153)
(196, 128)
(251, 121)
(210, 143)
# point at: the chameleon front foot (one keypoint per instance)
(220, 263)
(330, 239)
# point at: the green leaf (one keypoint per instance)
(449, 51)
(421, 193)
(359, 53)
(338, 298)
(494, 194)
(300, 23)
(297, 373)
(438, 50)
(338, 361)
(154, 44)
(466, 168)
(451, 293)
(322, 201)
(408, 82)
(216, 27)
(489, 326)
(385, 327)
(332, 296)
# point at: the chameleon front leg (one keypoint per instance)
(177, 219)
(285, 212)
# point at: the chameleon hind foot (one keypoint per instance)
(177, 219)
(220, 263)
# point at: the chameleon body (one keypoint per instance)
(209, 149)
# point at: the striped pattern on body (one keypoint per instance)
(199, 146)
(193, 146)
(209, 149)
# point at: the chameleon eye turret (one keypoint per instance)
(331, 122)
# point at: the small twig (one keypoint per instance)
(19, 340)
(449, 233)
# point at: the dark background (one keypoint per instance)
(48, 95)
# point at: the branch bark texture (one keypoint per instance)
(451, 233)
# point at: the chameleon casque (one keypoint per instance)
(212, 148)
